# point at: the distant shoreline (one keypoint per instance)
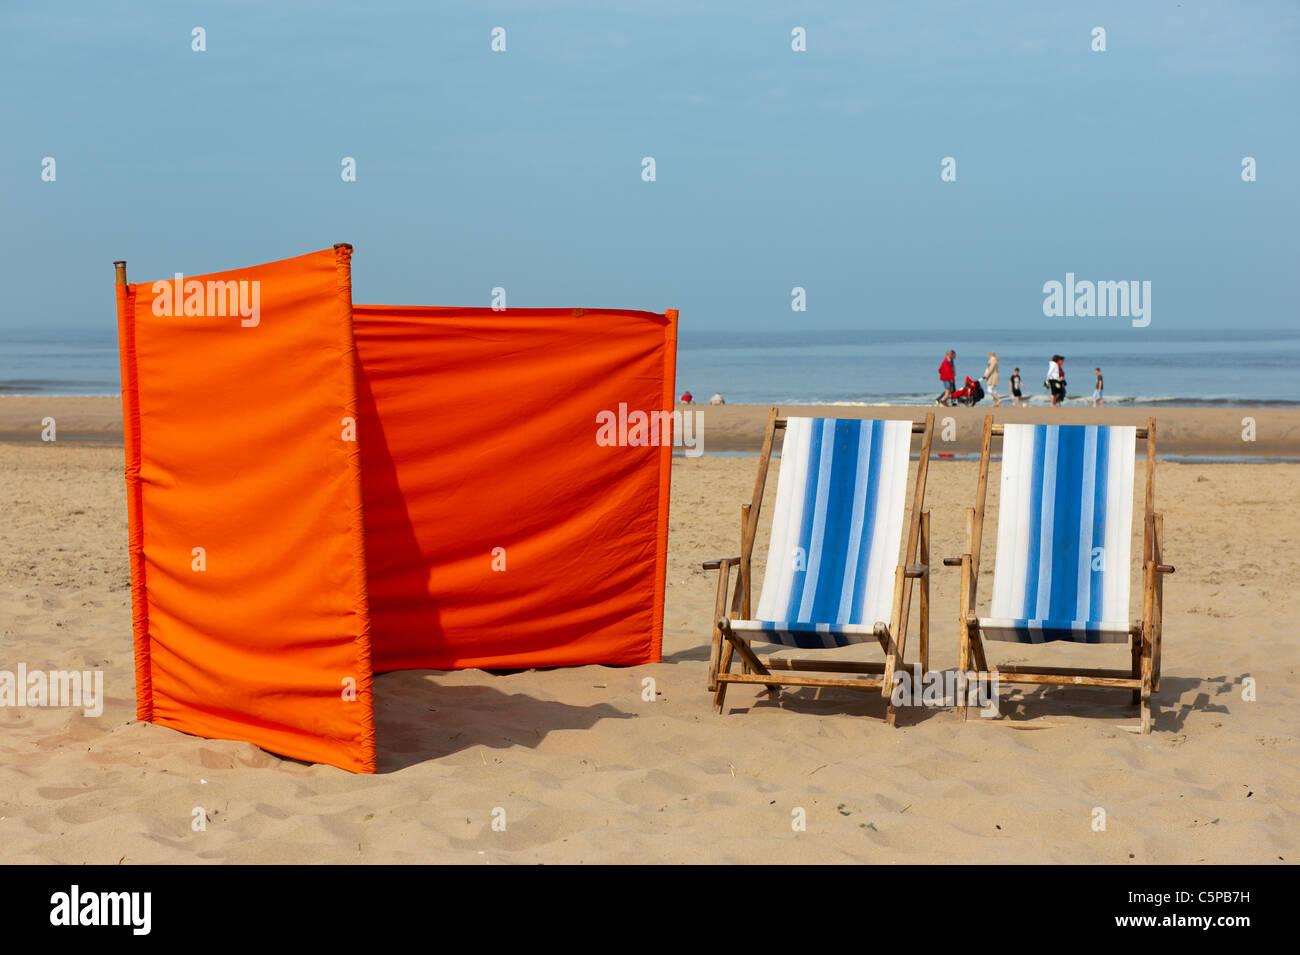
(1200, 432)
(1153, 402)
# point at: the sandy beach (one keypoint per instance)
(585, 770)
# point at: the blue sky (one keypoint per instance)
(522, 169)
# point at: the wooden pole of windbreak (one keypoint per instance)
(144, 711)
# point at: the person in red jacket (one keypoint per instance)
(947, 378)
(687, 398)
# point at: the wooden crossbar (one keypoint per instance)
(1065, 676)
(998, 430)
(861, 683)
(828, 666)
(916, 428)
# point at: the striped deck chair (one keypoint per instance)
(1062, 566)
(834, 575)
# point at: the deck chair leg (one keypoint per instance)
(740, 646)
(1136, 657)
(889, 649)
(1158, 609)
(719, 611)
(1144, 704)
(963, 665)
(963, 637)
(923, 624)
(724, 666)
(743, 582)
(887, 681)
(715, 655)
(1147, 642)
(963, 689)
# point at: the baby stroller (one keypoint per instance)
(969, 395)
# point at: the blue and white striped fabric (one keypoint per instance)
(836, 531)
(1064, 523)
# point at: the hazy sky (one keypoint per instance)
(775, 168)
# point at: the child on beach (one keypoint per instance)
(1097, 400)
(1015, 388)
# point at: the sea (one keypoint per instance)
(1148, 367)
(1230, 366)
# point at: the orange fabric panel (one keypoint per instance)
(236, 444)
(499, 532)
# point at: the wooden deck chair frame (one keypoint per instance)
(774, 673)
(1143, 676)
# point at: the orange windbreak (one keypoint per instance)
(505, 527)
(243, 476)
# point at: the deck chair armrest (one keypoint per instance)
(917, 570)
(716, 564)
(952, 562)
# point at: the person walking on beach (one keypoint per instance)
(1055, 380)
(1015, 388)
(991, 378)
(1097, 400)
(947, 378)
